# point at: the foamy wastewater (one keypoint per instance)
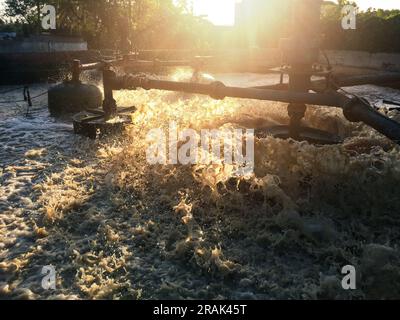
(31, 142)
(115, 227)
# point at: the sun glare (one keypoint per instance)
(222, 12)
(219, 12)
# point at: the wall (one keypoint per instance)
(361, 59)
(42, 44)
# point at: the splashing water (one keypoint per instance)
(116, 227)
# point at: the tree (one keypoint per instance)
(27, 10)
(170, 24)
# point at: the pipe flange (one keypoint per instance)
(217, 90)
(349, 110)
(296, 110)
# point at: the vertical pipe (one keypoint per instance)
(109, 103)
(303, 47)
(76, 71)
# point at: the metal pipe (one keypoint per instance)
(76, 71)
(139, 64)
(218, 90)
(380, 78)
(320, 85)
(355, 110)
(109, 103)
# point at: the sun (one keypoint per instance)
(219, 12)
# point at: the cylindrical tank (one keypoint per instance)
(73, 97)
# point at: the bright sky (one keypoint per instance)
(219, 12)
(222, 12)
(378, 4)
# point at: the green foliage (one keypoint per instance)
(377, 30)
(123, 24)
(28, 10)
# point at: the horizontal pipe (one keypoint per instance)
(140, 64)
(382, 78)
(394, 103)
(218, 90)
(320, 85)
(357, 110)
